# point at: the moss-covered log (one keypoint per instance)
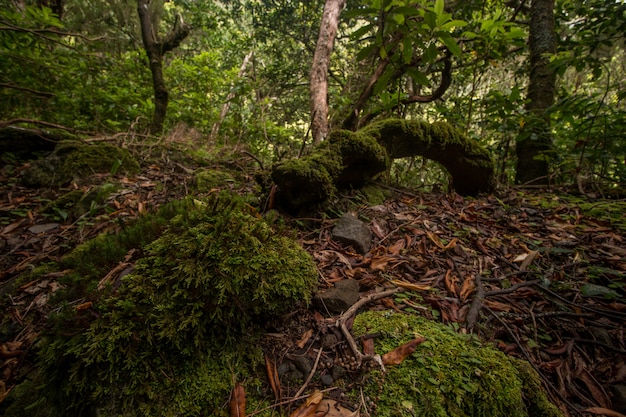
(349, 159)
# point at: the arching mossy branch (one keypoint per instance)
(468, 163)
(349, 159)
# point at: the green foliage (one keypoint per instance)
(190, 310)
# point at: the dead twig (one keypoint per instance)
(341, 324)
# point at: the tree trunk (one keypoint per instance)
(231, 95)
(319, 69)
(535, 141)
(156, 49)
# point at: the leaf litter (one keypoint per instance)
(531, 273)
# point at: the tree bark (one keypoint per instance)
(156, 49)
(319, 69)
(535, 141)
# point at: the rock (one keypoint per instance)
(351, 231)
(618, 393)
(327, 380)
(302, 364)
(338, 299)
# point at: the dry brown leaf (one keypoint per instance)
(305, 338)
(237, 406)
(399, 354)
(309, 407)
(379, 263)
(452, 283)
(497, 306)
(409, 286)
(451, 244)
(368, 346)
(396, 247)
(272, 376)
(528, 260)
(604, 412)
(435, 239)
(468, 287)
(331, 408)
(595, 389)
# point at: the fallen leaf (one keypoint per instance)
(40, 228)
(310, 405)
(604, 412)
(452, 283)
(272, 376)
(410, 286)
(237, 406)
(331, 408)
(368, 346)
(468, 287)
(305, 338)
(397, 356)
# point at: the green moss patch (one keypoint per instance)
(170, 337)
(448, 375)
(73, 160)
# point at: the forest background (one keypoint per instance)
(240, 72)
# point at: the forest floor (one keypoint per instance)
(540, 275)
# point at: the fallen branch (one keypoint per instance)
(341, 324)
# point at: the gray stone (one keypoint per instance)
(338, 299)
(351, 231)
(327, 380)
(302, 364)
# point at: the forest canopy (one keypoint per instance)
(248, 72)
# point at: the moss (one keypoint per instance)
(73, 160)
(448, 375)
(469, 164)
(374, 194)
(208, 179)
(169, 339)
(76, 203)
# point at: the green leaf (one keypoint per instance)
(418, 76)
(453, 24)
(407, 50)
(439, 7)
(430, 19)
(451, 44)
(382, 82)
(443, 18)
(360, 32)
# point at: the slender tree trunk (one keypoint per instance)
(535, 141)
(156, 49)
(231, 95)
(319, 69)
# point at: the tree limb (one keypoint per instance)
(29, 90)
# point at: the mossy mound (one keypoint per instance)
(209, 179)
(449, 375)
(76, 203)
(73, 160)
(171, 337)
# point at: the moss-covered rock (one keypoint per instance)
(449, 375)
(170, 338)
(73, 160)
